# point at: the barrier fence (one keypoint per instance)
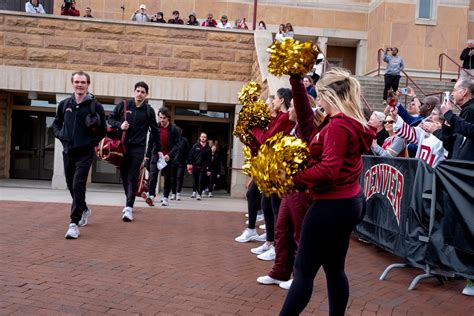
(421, 214)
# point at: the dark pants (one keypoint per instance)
(76, 170)
(130, 170)
(212, 180)
(153, 177)
(325, 235)
(253, 203)
(270, 207)
(287, 233)
(177, 177)
(199, 179)
(391, 81)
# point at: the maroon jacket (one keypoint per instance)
(280, 123)
(336, 147)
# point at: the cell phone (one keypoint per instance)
(403, 90)
(447, 97)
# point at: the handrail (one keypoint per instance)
(379, 60)
(440, 64)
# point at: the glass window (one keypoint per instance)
(197, 112)
(424, 9)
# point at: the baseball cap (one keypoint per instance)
(142, 6)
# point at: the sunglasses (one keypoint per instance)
(388, 122)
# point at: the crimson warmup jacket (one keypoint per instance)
(336, 147)
(280, 123)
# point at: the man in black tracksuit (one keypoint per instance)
(179, 167)
(199, 160)
(79, 125)
(169, 139)
(140, 118)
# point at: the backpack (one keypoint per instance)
(92, 121)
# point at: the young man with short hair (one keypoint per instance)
(199, 160)
(79, 125)
(140, 118)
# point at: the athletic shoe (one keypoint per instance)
(85, 216)
(268, 280)
(72, 232)
(173, 197)
(259, 250)
(198, 197)
(193, 195)
(127, 215)
(268, 255)
(149, 199)
(247, 235)
(262, 227)
(178, 196)
(206, 191)
(286, 285)
(469, 289)
(164, 202)
(210, 194)
(262, 237)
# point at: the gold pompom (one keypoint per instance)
(277, 161)
(291, 57)
(252, 114)
(248, 92)
(247, 160)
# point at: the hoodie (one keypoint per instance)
(336, 161)
(69, 125)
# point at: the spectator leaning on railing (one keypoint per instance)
(69, 8)
(33, 6)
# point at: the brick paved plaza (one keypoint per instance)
(178, 262)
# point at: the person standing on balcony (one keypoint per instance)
(33, 6)
(467, 57)
(69, 8)
(140, 15)
(392, 72)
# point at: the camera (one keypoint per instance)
(403, 90)
(447, 97)
(68, 4)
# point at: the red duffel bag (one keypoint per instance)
(112, 148)
(142, 183)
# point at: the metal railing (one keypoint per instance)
(380, 52)
(460, 68)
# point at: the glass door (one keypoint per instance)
(32, 151)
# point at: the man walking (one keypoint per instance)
(199, 160)
(139, 117)
(79, 125)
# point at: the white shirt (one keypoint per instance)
(224, 26)
(29, 8)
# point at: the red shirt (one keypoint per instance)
(336, 162)
(164, 140)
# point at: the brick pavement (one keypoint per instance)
(177, 262)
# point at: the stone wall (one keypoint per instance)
(124, 48)
(5, 119)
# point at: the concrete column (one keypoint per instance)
(156, 104)
(237, 186)
(323, 44)
(59, 180)
(361, 58)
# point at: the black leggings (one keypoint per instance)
(270, 207)
(253, 203)
(324, 241)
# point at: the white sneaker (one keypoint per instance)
(469, 289)
(247, 235)
(127, 214)
(210, 194)
(268, 255)
(262, 226)
(206, 191)
(193, 195)
(198, 197)
(263, 248)
(178, 196)
(85, 216)
(173, 197)
(262, 237)
(286, 285)
(72, 232)
(268, 280)
(164, 202)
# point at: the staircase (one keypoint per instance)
(372, 89)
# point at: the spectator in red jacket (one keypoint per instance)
(209, 22)
(69, 8)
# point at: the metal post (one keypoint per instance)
(254, 24)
